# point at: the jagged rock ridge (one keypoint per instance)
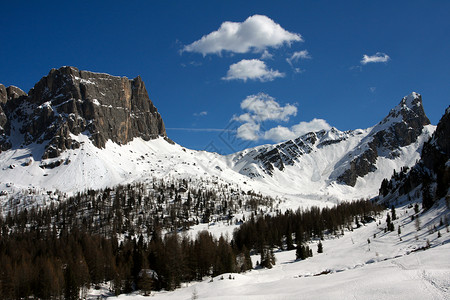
(401, 127)
(287, 153)
(10, 97)
(69, 101)
(432, 172)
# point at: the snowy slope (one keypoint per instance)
(305, 171)
(391, 266)
(308, 181)
(88, 167)
(313, 174)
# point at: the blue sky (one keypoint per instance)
(278, 69)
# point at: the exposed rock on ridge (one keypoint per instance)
(400, 128)
(436, 154)
(69, 101)
(288, 153)
(10, 98)
(432, 172)
(355, 152)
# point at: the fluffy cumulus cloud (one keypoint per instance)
(311, 126)
(280, 133)
(376, 58)
(296, 56)
(262, 107)
(249, 131)
(257, 33)
(253, 69)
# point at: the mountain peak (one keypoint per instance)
(409, 111)
(411, 100)
(69, 101)
(401, 127)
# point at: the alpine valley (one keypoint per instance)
(89, 152)
(79, 130)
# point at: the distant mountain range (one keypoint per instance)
(78, 130)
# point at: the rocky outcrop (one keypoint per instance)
(3, 98)
(436, 154)
(400, 128)
(433, 169)
(437, 150)
(3, 95)
(10, 98)
(69, 101)
(288, 153)
(14, 94)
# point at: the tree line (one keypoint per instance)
(48, 265)
(293, 229)
(61, 261)
(141, 208)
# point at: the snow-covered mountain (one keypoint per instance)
(69, 101)
(78, 130)
(340, 163)
(429, 178)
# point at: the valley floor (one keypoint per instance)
(385, 268)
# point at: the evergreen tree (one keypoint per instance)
(289, 242)
(394, 216)
(145, 282)
(427, 197)
(267, 258)
(303, 252)
(320, 247)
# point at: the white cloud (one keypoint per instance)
(248, 131)
(266, 55)
(296, 56)
(201, 114)
(262, 107)
(377, 58)
(279, 134)
(256, 33)
(372, 89)
(311, 126)
(254, 69)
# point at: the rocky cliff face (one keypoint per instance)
(436, 155)
(69, 101)
(400, 128)
(437, 150)
(289, 152)
(10, 98)
(431, 173)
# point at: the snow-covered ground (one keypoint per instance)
(308, 182)
(391, 266)
(308, 176)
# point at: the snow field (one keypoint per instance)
(387, 268)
